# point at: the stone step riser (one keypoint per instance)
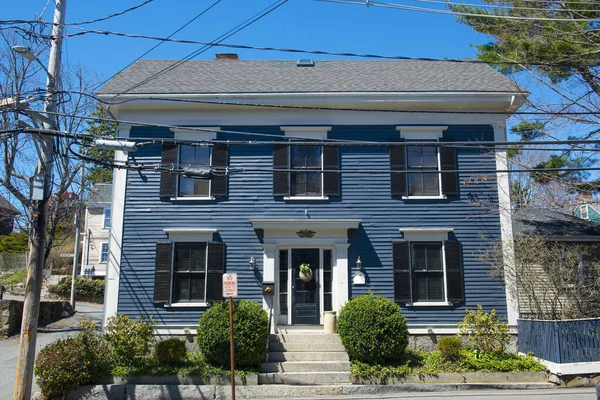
(304, 378)
(308, 356)
(308, 339)
(305, 347)
(307, 366)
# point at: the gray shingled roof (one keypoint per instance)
(325, 77)
(552, 223)
(100, 195)
(6, 205)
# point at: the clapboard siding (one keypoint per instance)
(364, 196)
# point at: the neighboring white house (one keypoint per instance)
(97, 224)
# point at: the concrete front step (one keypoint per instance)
(306, 338)
(303, 378)
(305, 347)
(308, 356)
(306, 366)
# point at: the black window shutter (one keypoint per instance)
(281, 160)
(216, 266)
(402, 281)
(168, 181)
(331, 180)
(398, 163)
(162, 273)
(218, 186)
(448, 163)
(454, 271)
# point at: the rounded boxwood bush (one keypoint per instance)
(170, 351)
(372, 329)
(250, 330)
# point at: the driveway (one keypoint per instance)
(46, 334)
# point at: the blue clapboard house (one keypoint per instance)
(357, 168)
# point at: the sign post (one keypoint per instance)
(230, 289)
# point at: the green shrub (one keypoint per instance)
(499, 362)
(450, 348)
(485, 332)
(88, 289)
(170, 351)
(129, 340)
(68, 363)
(372, 329)
(250, 330)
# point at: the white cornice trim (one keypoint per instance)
(421, 132)
(426, 230)
(171, 231)
(303, 223)
(190, 234)
(304, 132)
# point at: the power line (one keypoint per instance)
(447, 12)
(308, 51)
(501, 7)
(161, 42)
(225, 36)
(112, 15)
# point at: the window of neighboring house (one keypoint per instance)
(189, 269)
(308, 162)
(106, 223)
(193, 156)
(423, 159)
(104, 252)
(584, 211)
(428, 271)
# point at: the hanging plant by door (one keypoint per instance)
(305, 273)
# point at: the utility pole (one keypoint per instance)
(38, 220)
(77, 237)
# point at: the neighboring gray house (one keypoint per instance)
(406, 211)
(8, 212)
(544, 286)
(97, 225)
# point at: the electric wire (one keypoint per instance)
(507, 7)
(201, 13)
(448, 12)
(112, 15)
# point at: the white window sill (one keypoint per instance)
(439, 197)
(186, 305)
(193, 198)
(431, 304)
(306, 198)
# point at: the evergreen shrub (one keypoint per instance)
(170, 351)
(129, 340)
(450, 348)
(372, 329)
(250, 330)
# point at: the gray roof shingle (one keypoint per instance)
(206, 77)
(7, 206)
(100, 195)
(551, 223)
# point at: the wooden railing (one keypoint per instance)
(571, 341)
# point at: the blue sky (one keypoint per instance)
(305, 24)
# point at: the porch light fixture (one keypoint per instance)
(358, 263)
(252, 263)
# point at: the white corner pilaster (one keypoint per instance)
(269, 276)
(113, 266)
(505, 210)
(340, 276)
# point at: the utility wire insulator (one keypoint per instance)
(199, 173)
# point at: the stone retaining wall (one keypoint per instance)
(12, 314)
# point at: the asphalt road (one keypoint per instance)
(67, 326)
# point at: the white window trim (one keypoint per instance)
(187, 304)
(309, 133)
(107, 253)
(189, 134)
(587, 211)
(429, 235)
(104, 226)
(190, 235)
(421, 132)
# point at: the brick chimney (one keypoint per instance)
(226, 57)
(584, 197)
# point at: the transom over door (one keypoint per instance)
(305, 295)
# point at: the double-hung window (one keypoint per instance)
(428, 271)
(104, 252)
(106, 218)
(423, 170)
(195, 157)
(307, 164)
(188, 273)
